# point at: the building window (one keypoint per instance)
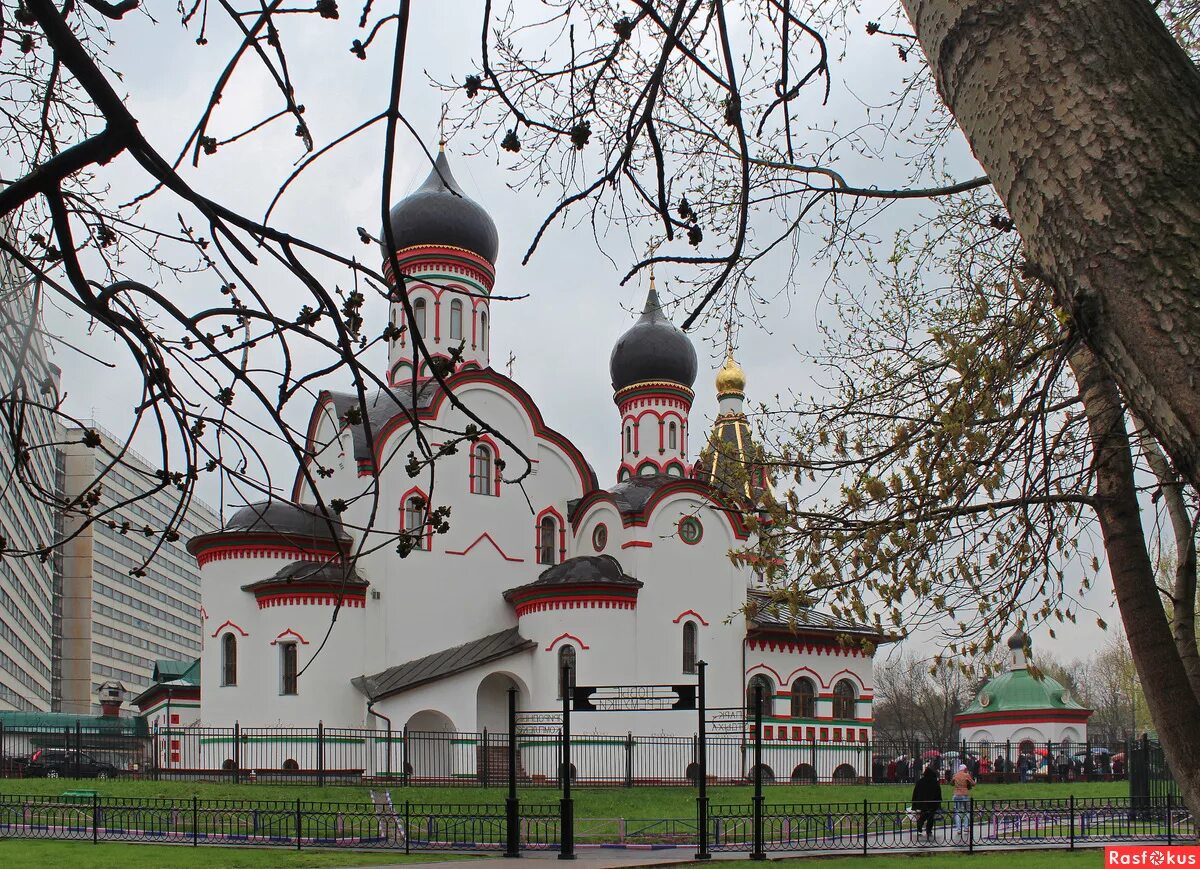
(843, 700)
(672, 437)
(456, 312)
(414, 521)
(483, 331)
(547, 529)
(419, 317)
(690, 530)
(804, 698)
(566, 670)
(600, 537)
(689, 647)
(229, 659)
(287, 668)
(481, 470)
(768, 693)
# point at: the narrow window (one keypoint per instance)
(287, 665)
(629, 439)
(483, 331)
(804, 699)
(419, 317)
(414, 520)
(456, 312)
(481, 471)
(546, 535)
(689, 647)
(843, 700)
(229, 659)
(566, 670)
(672, 437)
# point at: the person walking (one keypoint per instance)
(963, 782)
(927, 800)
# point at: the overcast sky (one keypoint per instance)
(560, 336)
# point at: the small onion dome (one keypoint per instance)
(284, 517)
(653, 349)
(1019, 640)
(731, 378)
(309, 574)
(439, 213)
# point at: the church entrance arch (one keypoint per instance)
(430, 737)
(491, 702)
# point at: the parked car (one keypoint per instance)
(64, 763)
(13, 766)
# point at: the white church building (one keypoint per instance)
(628, 582)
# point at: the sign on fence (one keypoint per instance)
(633, 698)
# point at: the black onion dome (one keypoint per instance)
(283, 517)
(653, 349)
(1018, 640)
(438, 212)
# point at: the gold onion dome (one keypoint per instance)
(731, 377)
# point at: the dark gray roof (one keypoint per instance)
(582, 570)
(299, 572)
(632, 495)
(277, 516)
(382, 407)
(765, 613)
(438, 212)
(653, 349)
(439, 665)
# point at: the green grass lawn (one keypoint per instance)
(26, 854)
(1078, 859)
(641, 802)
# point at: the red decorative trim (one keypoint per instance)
(1023, 716)
(561, 637)
(632, 544)
(762, 666)
(150, 696)
(699, 617)
(574, 603)
(222, 546)
(293, 633)
(404, 499)
(350, 600)
(833, 680)
(229, 623)
(795, 646)
(495, 545)
(444, 258)
(203, 613)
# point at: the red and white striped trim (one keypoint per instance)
(311, 599)
(604, 603)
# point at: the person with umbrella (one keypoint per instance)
(927, 800)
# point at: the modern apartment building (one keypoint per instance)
(118, 617)
(28, 481)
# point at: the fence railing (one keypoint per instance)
(328, 755)
(408, 826)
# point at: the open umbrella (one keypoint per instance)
(1120, 756)
(1042, 752)
(1100, 749)
(932, 753)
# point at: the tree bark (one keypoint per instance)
(1086, 117)
(1174, 708)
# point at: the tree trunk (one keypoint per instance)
(1086, 117)
(1174, 708)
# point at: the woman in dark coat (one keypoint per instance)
(927, 799)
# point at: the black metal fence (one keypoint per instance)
(327, 755)
(1149, 775)
(407, 826)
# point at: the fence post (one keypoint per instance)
(702, 758)
(320, 754)
(1072, 806)
(407, 826)
(299, 831)
(757, 853)
(864, 826)
(237, 752)
(1170, 835)
(512, 811)
(404, 756)
(566, 821)
(95, 818)
(1008, 767)
(629, 759)
(195, 821)
(78, 745)
(971, 824)
(487, 763)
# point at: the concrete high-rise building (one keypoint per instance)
(117, 620)
(28, 483)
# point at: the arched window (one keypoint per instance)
(481, 470)
(419, 317)
(456, 312)
(672, 437)
(414, 521)
(483, 331)
(768, 694)
(566, 670)
(843, 700)
(804, 698)
(287, 668)
(547, 529)
(229, 659)
(689, 647)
